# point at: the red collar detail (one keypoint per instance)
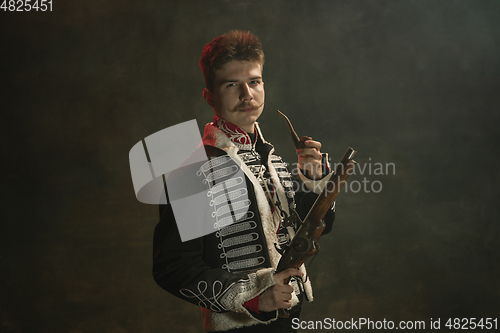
(235, 133)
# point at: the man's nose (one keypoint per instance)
(245, 93)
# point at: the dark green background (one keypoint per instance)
(414, 83)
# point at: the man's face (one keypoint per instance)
(238, 95)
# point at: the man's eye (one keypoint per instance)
(231, 85)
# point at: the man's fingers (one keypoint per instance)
(308, 162)
(274, 298)
(309, 151)
(279, 296)
(313, 144)
(283, 288)
(281, 276)
(286, 288)
(283, 292)
(309, 159)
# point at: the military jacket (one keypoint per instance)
(248, 191)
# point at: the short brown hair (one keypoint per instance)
(235, 45)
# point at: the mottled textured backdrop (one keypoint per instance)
(409, 84)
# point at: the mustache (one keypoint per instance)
(251, 104)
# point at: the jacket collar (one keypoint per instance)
(233, 135)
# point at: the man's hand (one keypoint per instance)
(278, 296)
(310, 159)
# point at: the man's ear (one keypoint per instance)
(208, 97)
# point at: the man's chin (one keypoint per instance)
(247, 124)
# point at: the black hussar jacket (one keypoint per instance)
(236, 259)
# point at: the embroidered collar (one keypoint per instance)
(237, 135)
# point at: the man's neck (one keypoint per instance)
(252, 129)
(252, 136)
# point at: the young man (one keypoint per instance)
(230, 273)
